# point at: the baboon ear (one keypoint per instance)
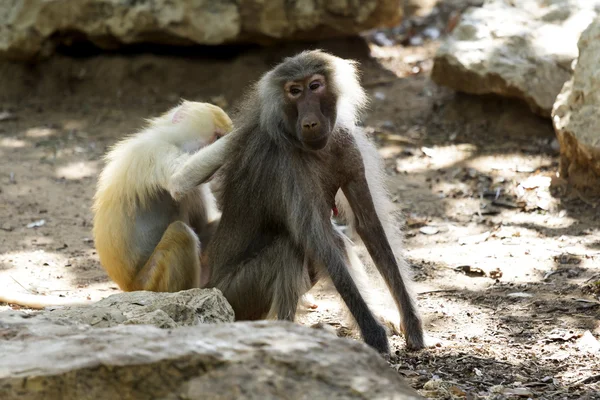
(178, 115)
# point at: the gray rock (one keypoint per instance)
(164, 310)
(258, 360)
(30, 28)
(576, 117)
(523, 51)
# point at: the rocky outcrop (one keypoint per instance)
(518, 48)
(164, 310)
(576, 117)
(30, 28)
(260, 360)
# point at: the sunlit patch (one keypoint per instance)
(507, 164)
(47, 271)
(12, 143)
(40, 132)
(29, 266)
(533, 223)
(77, 170)
(437, 157)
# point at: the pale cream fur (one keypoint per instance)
(139, 166)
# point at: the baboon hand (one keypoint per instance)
(178, 187)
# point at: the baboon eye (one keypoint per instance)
(295, 91)
(315, 85)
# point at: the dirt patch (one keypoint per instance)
(505, 259)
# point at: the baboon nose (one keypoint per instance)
(310, 125)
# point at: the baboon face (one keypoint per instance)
(310, 107)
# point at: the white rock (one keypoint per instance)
(523, 51)
(29, 28)
(576, 117)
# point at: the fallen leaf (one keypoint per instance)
(536, 181)
(413, 221)
(588, 343)
(559, 355)
(456, 391)
(470, 271)
(495, 273)
(561, 335)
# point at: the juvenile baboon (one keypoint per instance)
(145, 239)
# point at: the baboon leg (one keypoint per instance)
(268, 285)
(292, 282)
(175, 263)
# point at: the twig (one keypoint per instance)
(17, 282)
(439, 291)
(586, 301)
(589, 379)
(595, 276)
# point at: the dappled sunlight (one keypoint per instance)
(48, 272)
(549, 221)
(36, 271)
(437, 157)
(443, 319)
(40, 132)
(508, 164)
(12, 143)
(77, 170)
(511, 255)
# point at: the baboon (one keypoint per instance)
(297, 144)
(145, 239)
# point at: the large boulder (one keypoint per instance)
(518, 48)
(576, 117)
(31, 27)
(259, 360)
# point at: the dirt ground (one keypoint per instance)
(506, 259)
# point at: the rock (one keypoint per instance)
(30, 28)
(576, 118)
(164, 310)
(523, 51)
(251, 360)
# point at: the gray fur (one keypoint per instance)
(151, 222)
(276, 198)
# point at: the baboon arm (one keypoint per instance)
(322, 244)
(370, 230)
(198, 168)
